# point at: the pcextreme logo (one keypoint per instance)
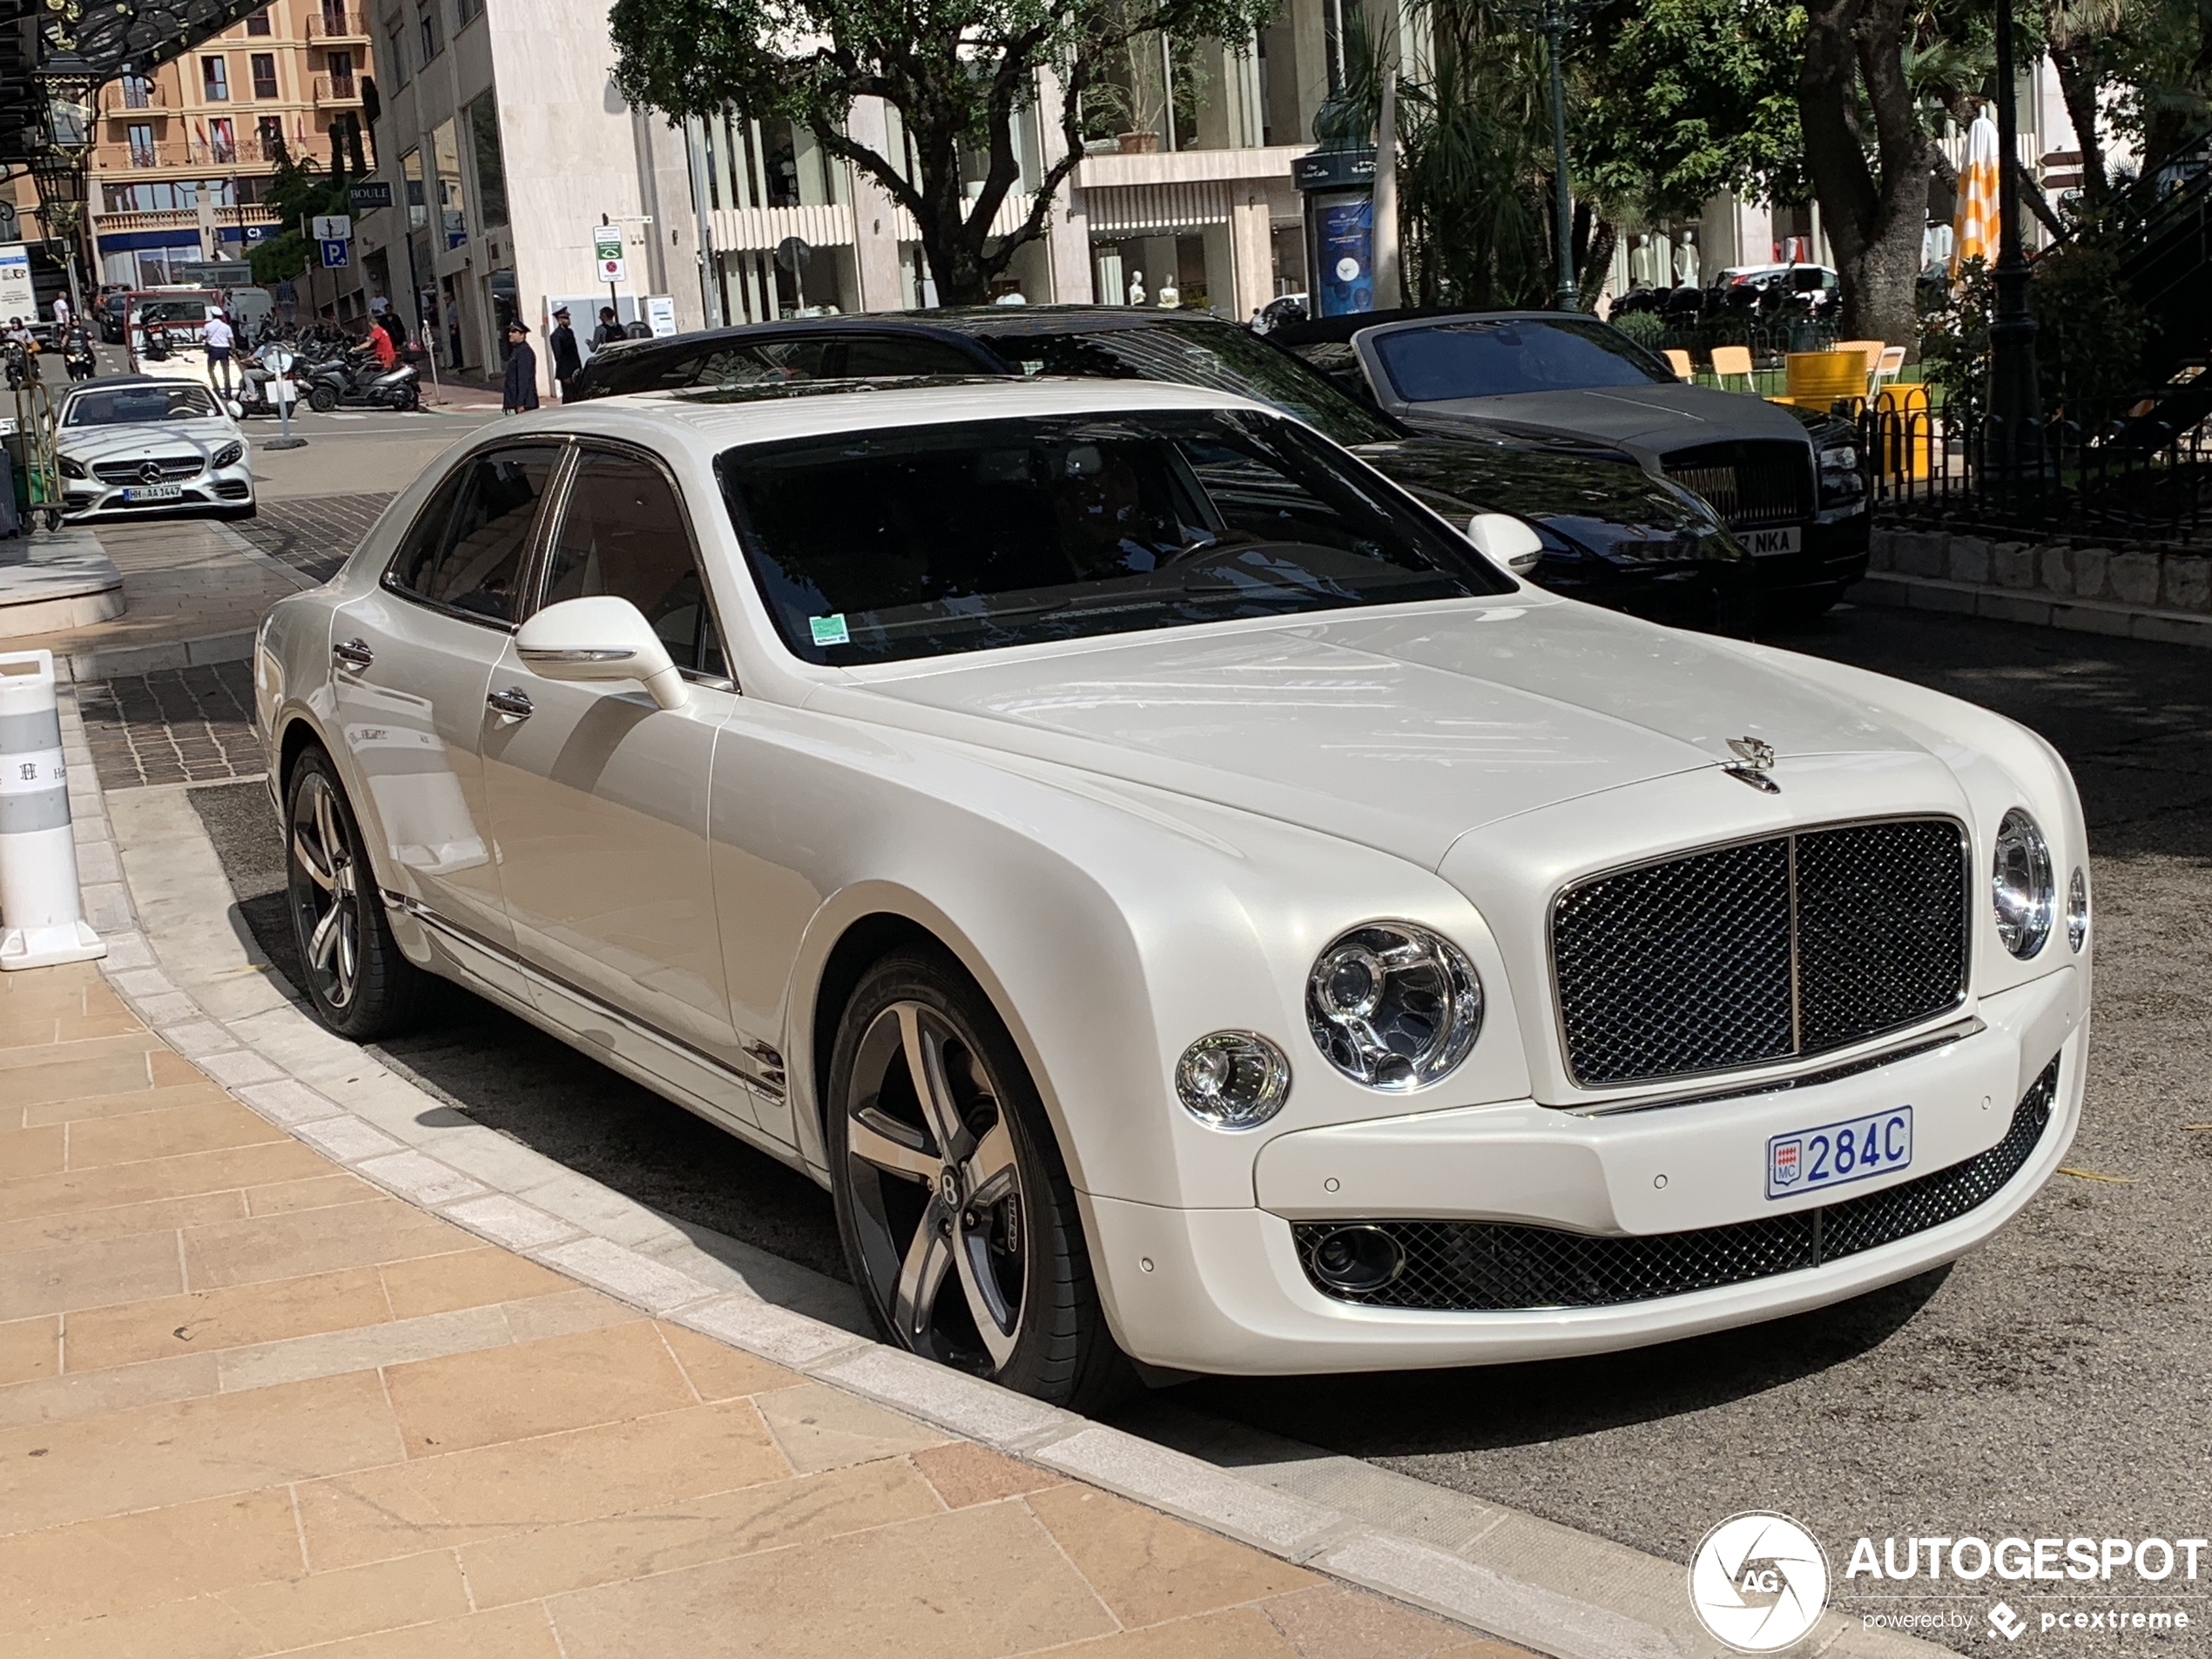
(1758, 1582)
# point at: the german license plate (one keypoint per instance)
(1836, 1154)
(1789, 539)
(154, 492)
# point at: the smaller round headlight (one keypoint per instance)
(2077, 910)
(2022, 887)
(1393, 1006)
(1232, 1079)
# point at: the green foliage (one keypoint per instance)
(1643, 327)
(1680, 99)
(2089, 344)
(298, 189)
(277, 256)
(1954, 343)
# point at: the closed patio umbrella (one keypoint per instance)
(1976, 221)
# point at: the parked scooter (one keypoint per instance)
(363, 385)
(264, 377)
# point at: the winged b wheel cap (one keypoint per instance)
(1754, 759)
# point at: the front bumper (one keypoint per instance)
(1831, 557)
(1225, 1291)
(227, 489)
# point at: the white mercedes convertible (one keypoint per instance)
(1186, 903)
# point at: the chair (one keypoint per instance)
(1679, 360)
(1890, 366)
(1729, 362)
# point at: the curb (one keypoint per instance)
(576, 1227)
(1890, 590)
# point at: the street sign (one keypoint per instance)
(374, 193)
(337, 254)
(606, 244)
(614, 270)
(334, 227)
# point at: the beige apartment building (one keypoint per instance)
(182, 157)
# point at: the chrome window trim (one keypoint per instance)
(1600, 1092)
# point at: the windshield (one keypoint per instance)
(1200, 354)
(131, 405)
(881, 546)
(1501, 357)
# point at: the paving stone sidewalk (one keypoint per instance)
(250, 1405)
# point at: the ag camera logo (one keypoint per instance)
(1758, 1582)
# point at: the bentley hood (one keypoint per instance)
(1400, 731)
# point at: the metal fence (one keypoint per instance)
(2117, 479)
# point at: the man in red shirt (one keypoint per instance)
(380, 343)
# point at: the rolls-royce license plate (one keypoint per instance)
(1836, 1154)
(152, 492)
(1789, 539)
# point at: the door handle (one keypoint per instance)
(510, 702)
(353, 653)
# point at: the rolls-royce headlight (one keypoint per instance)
(1232, 1079)
(2022, 887)
(1393, 1006)
(2077, 910)
(227, 456)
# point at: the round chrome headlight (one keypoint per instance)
(1232, 1079)
(2022, 887)
(2077, 910)
(1393, 1006)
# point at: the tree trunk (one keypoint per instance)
(1597, 261)
(1874, 221)
(2079, 74)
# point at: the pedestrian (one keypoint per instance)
(219, 341)
(609, 330)
(568, 362)
(521, 393)
(61, 315)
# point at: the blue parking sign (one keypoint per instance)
(335, 255)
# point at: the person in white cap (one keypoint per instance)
(220, 341)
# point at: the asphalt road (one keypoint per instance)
(2057, 1383)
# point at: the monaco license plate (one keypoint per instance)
(154, 492)
(1837, 1154)
(1789, 539)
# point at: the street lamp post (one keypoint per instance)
(1552, 19)
(59, 164)
(2014, 401)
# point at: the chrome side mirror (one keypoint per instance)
(600, 639)
(1508, 540)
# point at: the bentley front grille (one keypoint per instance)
(1760, 951)
(1488, 1267)
(1750, 485)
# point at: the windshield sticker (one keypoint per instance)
(830, 630)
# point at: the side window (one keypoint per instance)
(467, 550)
(624, 534)
(889, 355)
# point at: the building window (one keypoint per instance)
(464, 10)
(222, 141)
(418, 209)
(340, 66)
(215, 80)
(264, 80)
(427, 20)
(268, 139)
(141, 138)
(453, 205)
(257, 22)
(483, 118)
(395, 55)
(137, 92)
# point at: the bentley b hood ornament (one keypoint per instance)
(1754, 759)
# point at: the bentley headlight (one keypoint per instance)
(2020, 885)
(2077, 910)
(1232, 1079)
(1393, 1006)
(227, 456)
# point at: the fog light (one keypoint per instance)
(1232, 1079)
(1358, 1259)
(2077, 910)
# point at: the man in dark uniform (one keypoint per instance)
(568, 362)
(521, 392)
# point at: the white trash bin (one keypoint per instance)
(42, 914)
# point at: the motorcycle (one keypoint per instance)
(364, 385)
(77, 356)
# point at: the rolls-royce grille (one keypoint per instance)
(1480, 1266)
(171, 468)
(1760, 951)
(1749, 484)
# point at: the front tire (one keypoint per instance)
(353, 972)
(323, 399)
(959, 1221)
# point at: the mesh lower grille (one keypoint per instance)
(1760, 951)
(1480, 1266)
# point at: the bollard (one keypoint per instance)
(42, 917)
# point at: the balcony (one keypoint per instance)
(338, 92)
(118, 101)
(334, 26)
(251, 150)
(184, 218)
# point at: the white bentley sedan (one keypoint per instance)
(1183, 902)
(136, 444)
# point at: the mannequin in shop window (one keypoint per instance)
(1640, 262)
(1136, 287)
(1686, 261)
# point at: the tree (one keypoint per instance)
(296, 192)
(955, 71)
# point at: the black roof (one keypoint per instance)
(1315, 331)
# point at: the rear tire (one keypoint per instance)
(959, 1222)
(360, 984)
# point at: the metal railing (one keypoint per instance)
(342, 89)
(248, 150)
(2106, 476)
(334, 23)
